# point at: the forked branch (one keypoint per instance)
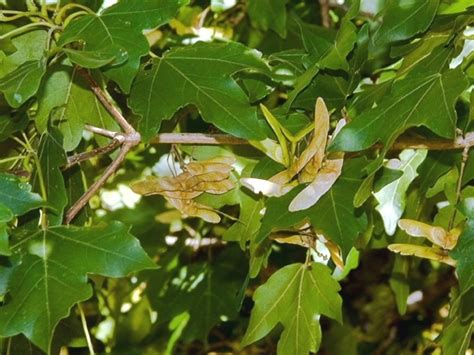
(126, 140)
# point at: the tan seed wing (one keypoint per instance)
(437, 235)
(312, 157)
(324, 180)
(423, 252)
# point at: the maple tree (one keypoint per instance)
(243, 176)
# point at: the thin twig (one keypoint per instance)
(100, 131)
(77, 158)
(86, 330)
(107, 102)
(84, 199)
(324, 10)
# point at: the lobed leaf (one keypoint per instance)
(295, 296)
(52, 276)
(22, 83)
(200, 75)
(118, 31)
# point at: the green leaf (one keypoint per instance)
(463, 253)
(17, 196)
(52, 277)
(268, 14)
(119, 28)
(452, 7)
(23, 82)
(88, 59)
(392, 197)
(434, 166)
(198, 75)
(333, 215)
(456, 335)
(386, 177)
(317, 40)
(346, 38)
(259, 254)
(30, 46)
(10, 125)
(6, 215)
(333, 89)
(417, 100)
(404, 19)
(66, 101)
(351, 263)
(206, 291)
(249, 220)
(52, 157)
(295, 296)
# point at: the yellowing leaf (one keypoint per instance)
(423, 252)
(277, 128)
(437, 235)
(324, 180)
(270, 148)
(335, 252)
(295, 239)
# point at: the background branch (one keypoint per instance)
(324, 10)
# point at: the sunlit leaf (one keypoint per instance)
(295, 296)
(402, 20)
(391, 198)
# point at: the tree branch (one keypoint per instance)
(77, 158)
(84, 199)
(198, 139)
(400, 144)
(105, 99)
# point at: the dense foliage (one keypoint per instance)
(243, 176)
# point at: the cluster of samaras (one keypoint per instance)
(442, 241)
(210, 176)
(315, 166)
